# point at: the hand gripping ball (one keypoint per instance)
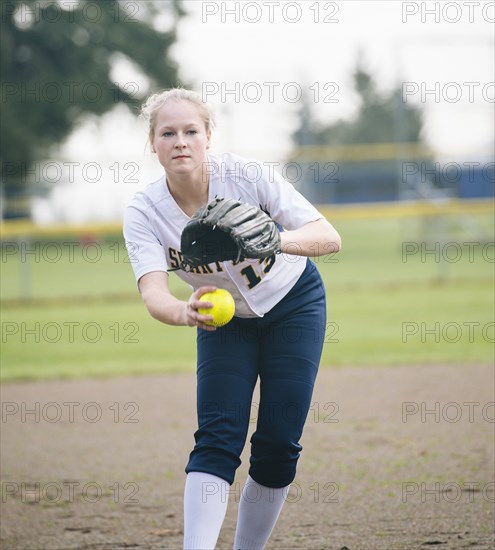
(223, 307)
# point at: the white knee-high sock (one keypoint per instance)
(205, 505)
(259, 509)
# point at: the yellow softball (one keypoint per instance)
(223, 307)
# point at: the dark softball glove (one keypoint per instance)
(226, 229)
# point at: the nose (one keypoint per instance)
(180, 142)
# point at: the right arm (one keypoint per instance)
(166, 308)
(146, 255)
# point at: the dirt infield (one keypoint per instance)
(394, 458)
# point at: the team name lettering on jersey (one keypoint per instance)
(175, 257)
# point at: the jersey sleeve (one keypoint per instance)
(146, 253)
(284, 203)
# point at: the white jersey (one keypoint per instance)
(153, 224)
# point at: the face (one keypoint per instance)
(180, 138)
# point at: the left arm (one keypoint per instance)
(315, 238)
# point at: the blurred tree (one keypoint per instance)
(342, 174)
(56, 66)
(381, 118)
(306, 133)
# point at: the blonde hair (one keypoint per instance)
(153, 104)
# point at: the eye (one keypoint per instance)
(192, 131)
(167, 134)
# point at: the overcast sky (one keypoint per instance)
(252, 60)
(414, 44)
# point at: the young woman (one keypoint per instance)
(277, 332)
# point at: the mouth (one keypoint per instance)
(181, 157)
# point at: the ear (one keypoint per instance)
(151, 139)
(208, 139)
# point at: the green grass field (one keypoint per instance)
(392, 300)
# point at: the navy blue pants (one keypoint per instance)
(283, 348)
